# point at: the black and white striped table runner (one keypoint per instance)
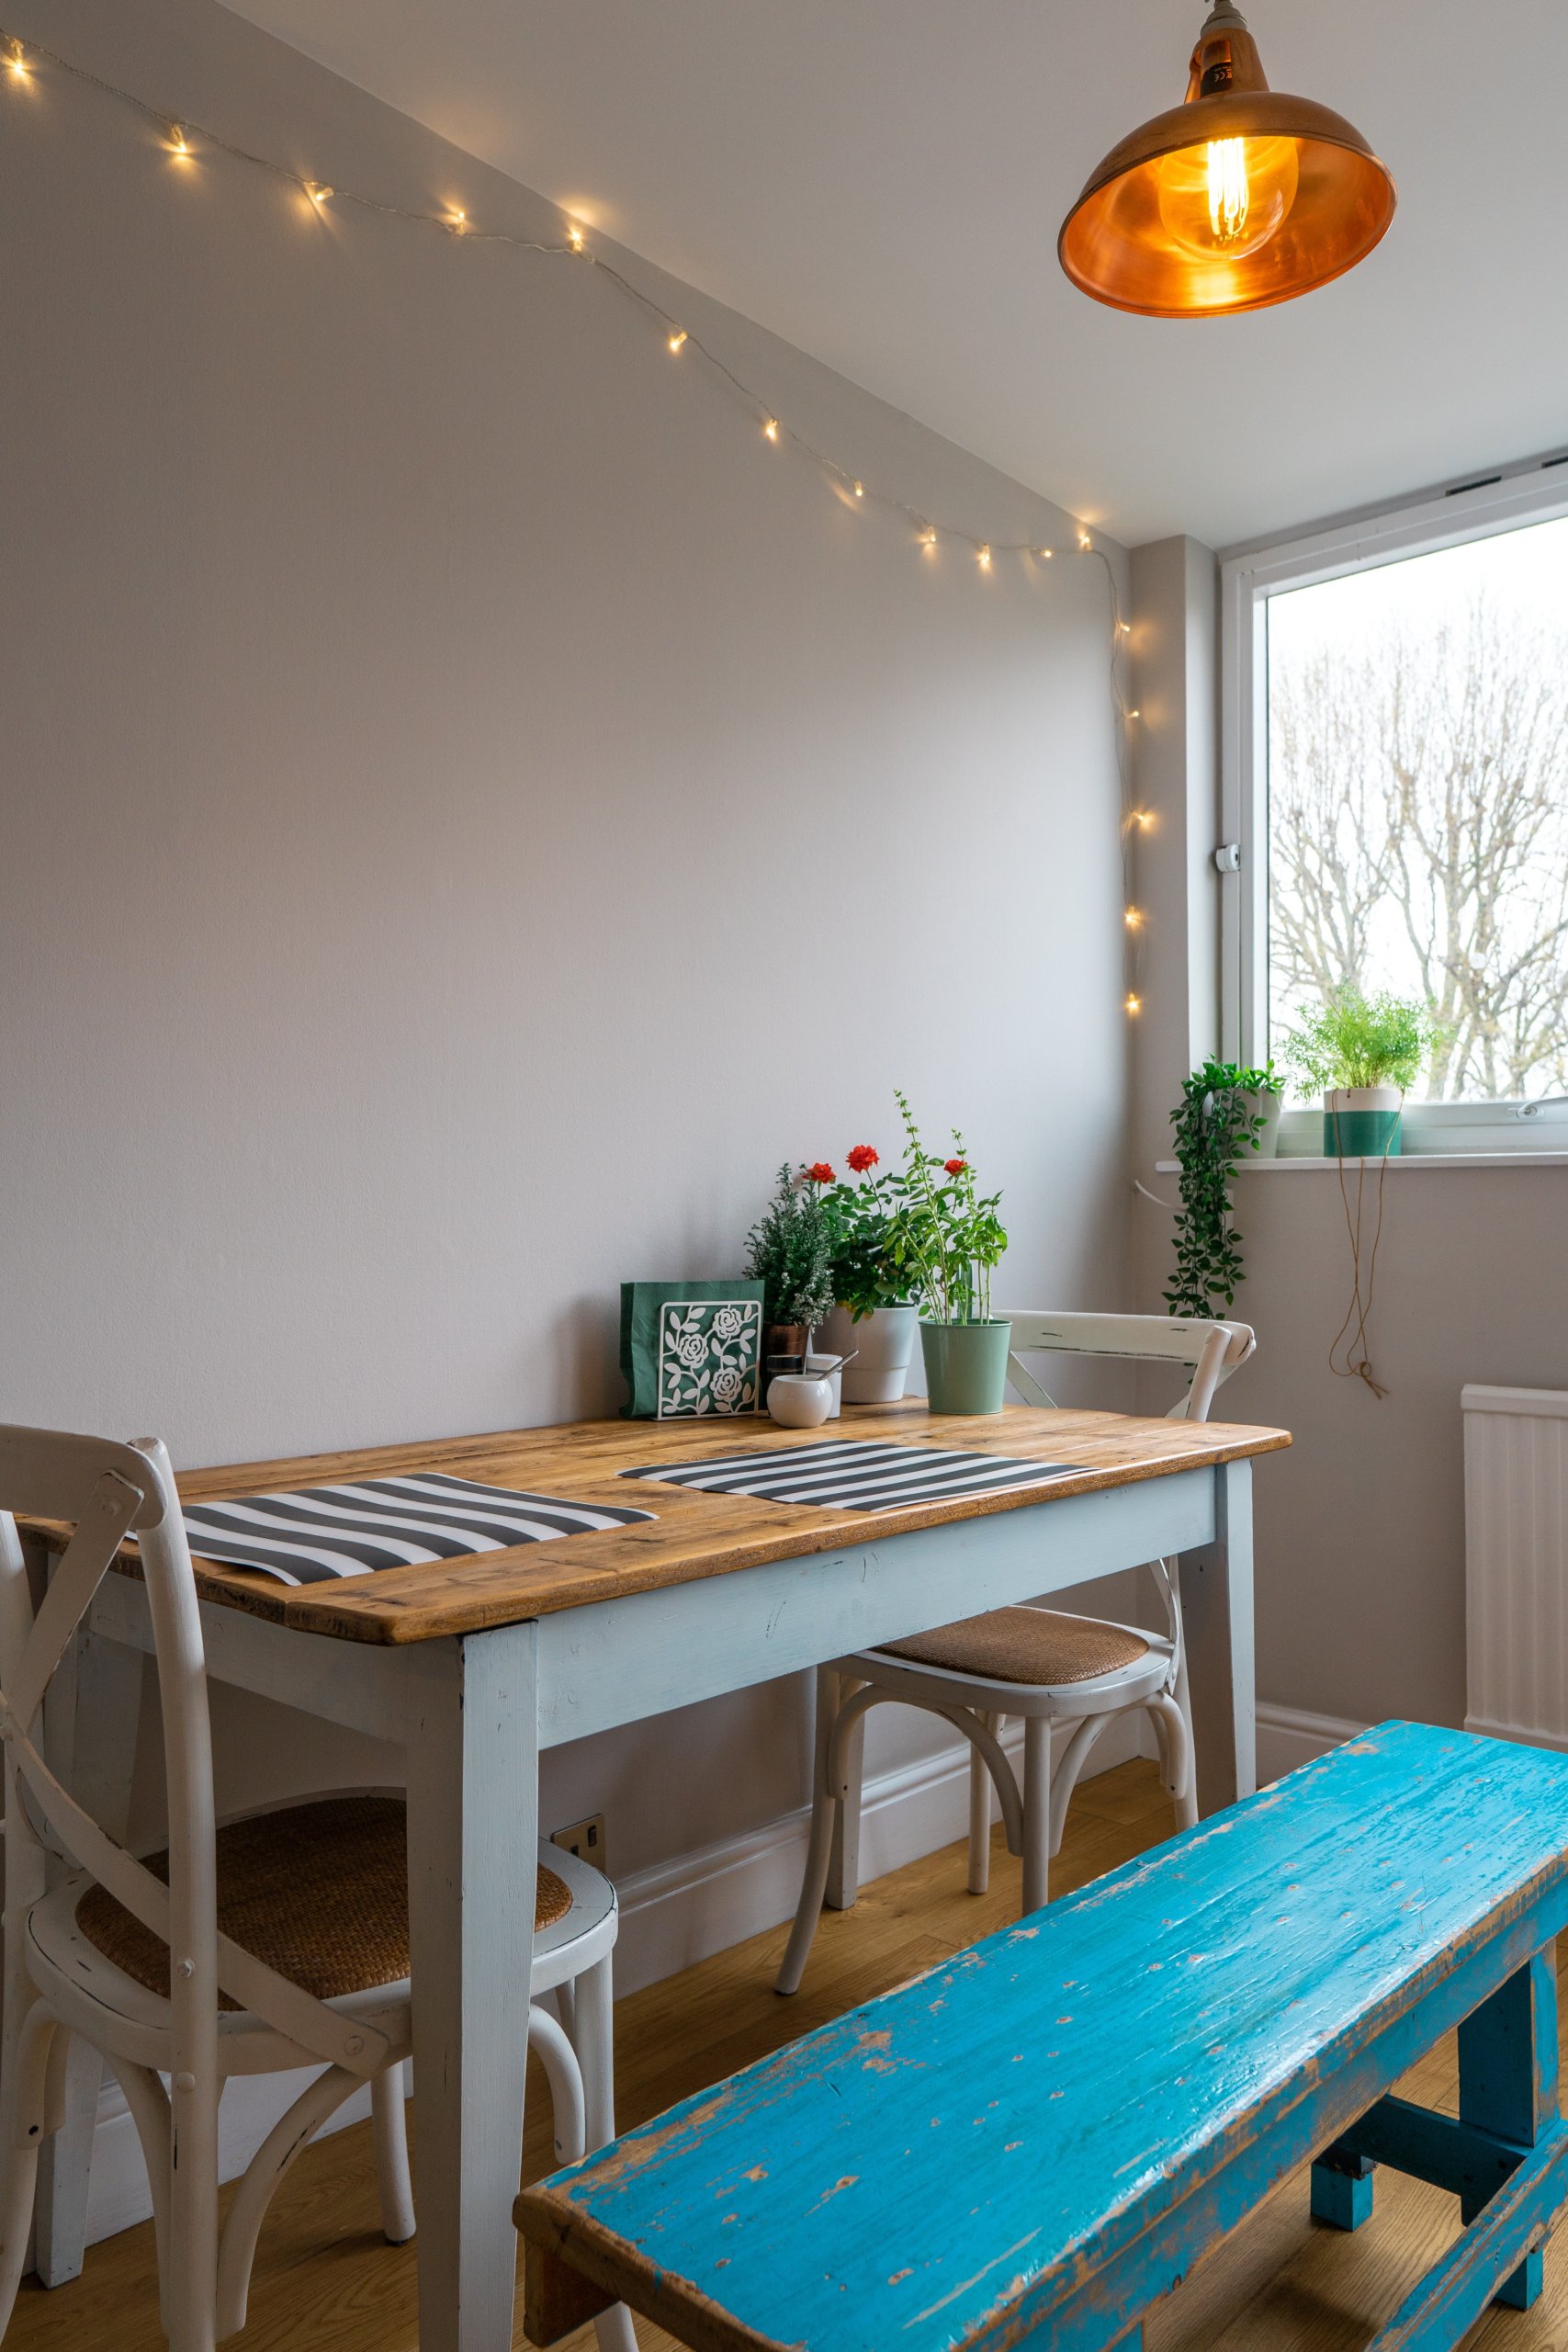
(315, 1534)
(853, 1474)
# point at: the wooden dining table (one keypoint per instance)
(472, 1666)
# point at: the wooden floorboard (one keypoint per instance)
(326, 2281)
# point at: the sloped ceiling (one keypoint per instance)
(882, 182)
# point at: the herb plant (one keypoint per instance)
(1354, 1040)
(860, 1217)
(1216, 1120)
(790, 1252)
(943, 1238)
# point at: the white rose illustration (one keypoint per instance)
(727, 1323)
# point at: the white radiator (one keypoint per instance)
(1516, 1562)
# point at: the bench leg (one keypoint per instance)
(1508, 2084)
(1342, 2189)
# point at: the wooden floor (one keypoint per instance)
(325, 2280)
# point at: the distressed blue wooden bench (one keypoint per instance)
(1038, 2139)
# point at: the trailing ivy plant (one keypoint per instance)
(1215, 1122)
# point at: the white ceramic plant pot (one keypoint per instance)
(796, 1401)
(882, 1344)
(1361, 1122)
(833, 1379)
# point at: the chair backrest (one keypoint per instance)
(1210, 1352)
(108, 1493)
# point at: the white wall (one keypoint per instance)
(471, 808)
(1360, 1529)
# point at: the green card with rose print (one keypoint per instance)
(691, 1351)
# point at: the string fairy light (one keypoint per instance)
(20, 61)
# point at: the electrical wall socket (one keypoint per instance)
(583, 1839)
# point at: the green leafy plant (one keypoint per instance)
(943, 1238)
(1215, 1122)
(860, 1217)
(1355, 1040)
(790, 1252)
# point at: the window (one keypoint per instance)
(1396, 775)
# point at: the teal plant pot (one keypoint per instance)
(967, 1365)
(1362, 1123)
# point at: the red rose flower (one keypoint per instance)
(820, 1173)
(955, 1167)
(861, 1158)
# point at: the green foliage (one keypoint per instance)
(1216, 1120)
(943, 1239)
(791, 1254)
(859, 1218)
(1354, 1040)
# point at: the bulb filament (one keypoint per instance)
(1230, 196)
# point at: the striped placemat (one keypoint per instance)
(309, 1535)
(853, 1473)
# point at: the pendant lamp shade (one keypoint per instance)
(1239, 197)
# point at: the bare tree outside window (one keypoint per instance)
(1418, 803)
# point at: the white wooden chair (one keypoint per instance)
(1040, 1663)
(137, 1959)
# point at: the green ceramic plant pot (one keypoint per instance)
(967, 1365)
(1361, 1122)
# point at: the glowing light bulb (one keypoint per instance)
(1134, 714)
(179, 145)
(1133, 918)
(1226, 198)
(928, 539)
(1085, 542)
(770, 429)
(1134, 1003)
(1046, 553)
(574, 237)
(1143, 818)
(459, 220)
(983, 558)
(318, 192)
(678, 338)
(860, 490)
(1123, 628)
(16, 60)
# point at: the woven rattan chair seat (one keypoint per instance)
(1032, 1645)
(318, 1892)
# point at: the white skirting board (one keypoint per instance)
(671, 1916)
(681, 1911)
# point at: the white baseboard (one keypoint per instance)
(672, 1915)
(1290, 1735)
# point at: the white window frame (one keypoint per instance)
(1534, 492)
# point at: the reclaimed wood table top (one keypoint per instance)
(695, 1536)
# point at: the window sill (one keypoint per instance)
(1522, 1157)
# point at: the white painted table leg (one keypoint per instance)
(1216, 1600)
(843, 1868)
(90, 1732)
(472, 1826)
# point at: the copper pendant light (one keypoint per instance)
(1237, 198)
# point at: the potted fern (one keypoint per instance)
(944, 1242)
(1364, 1053)
(790, 1255)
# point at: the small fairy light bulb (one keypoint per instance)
(1143, 818)
(1134, 714)
(1046, 553)
(179, 145)
(1085, 542)
(928, 539)
(1133, 918)
(770, 429)
(860, 490)
(318, 191)
(574, 237)
(983, 558)
(678, 339)
(1123, 628)
(1132, 1004)
(459, 220)
(15, 60)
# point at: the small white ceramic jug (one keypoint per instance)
(799, 1400)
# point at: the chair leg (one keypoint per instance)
(819, 1852)
(228, 2288)
(390, 2126)
(596, 2054)
(1036, 1811)
(22, 2120)
(980, 1817)
(149, 2104)
(1174, 1734)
